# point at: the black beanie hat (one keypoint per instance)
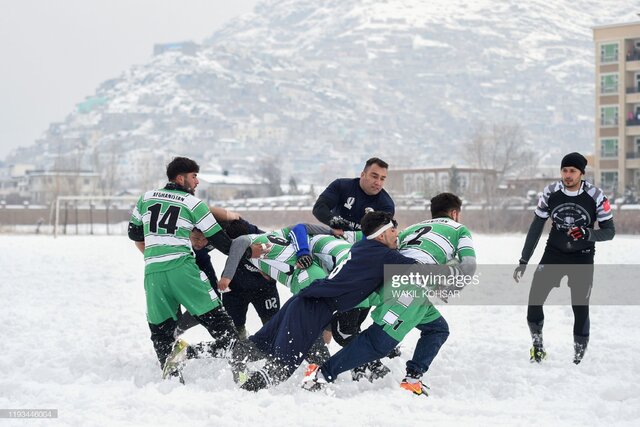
(576, 160)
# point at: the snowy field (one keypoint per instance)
(75, 339)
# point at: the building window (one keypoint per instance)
(608, 83)
(637, 145)
(609, 53)
(609, 116)
(609, 180)
(609, 148)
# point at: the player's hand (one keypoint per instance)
(519, 272)
(578, 233)
(304, 261)
(259, 250)
(198, 241)
(337, 232)
(233, 216)
(223, 285)
(339, 223)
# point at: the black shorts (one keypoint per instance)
(265, 300)
(554, 265)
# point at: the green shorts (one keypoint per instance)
(186, 285)
(397, 320)
(303, 278)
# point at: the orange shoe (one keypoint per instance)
(416, 387)
(313, 379)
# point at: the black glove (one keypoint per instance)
(519, 271)
(578, 233)
(304, 260)
(339, 223)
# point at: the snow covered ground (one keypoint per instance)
(75, 338)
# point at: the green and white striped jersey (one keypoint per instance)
(436, 241)
(330, 251)
(280, 262)
(167, 217)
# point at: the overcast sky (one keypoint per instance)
(54, 53)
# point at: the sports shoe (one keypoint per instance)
(537, 354)
(359, 373)
(377, 370)
(415, 386)
(579, 349)
(313, 379)
(175, 361)
(257, 380)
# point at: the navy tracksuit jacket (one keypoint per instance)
(289, 335)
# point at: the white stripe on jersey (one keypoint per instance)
(405, 299)
(166, 239)
(465, 242)
(326, 260)
(183, 223)
(192, 202)
(206, 223)
(136, 214)
(442, 242)
(165, 258)
(390, 318)
(419, 255)
(329, 246)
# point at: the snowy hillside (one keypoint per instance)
(75, 339)
(326, 84)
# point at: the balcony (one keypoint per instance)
(633, 160)
(633, 56)
(633, 61)
(633, 127)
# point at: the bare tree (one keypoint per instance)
(503, 148)
(272, 175)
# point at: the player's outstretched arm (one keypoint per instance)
(238, 250)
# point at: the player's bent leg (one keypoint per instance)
(432, 336)
(186, 321)
(368, 346)
(318, 353)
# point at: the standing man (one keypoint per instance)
(344, 202)
(341, 206)
(160, 226)
(574, 205)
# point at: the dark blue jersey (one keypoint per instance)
(356, 277)
(345, 198)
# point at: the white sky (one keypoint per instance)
(54, 53)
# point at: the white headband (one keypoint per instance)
(380, 230)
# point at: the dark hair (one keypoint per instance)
(377, 161)
(235, 228)
(180, 165)
(374, 220)
(443, 203)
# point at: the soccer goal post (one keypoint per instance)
(107, 200)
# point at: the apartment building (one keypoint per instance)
(617, 154)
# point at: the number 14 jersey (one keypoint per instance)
(168, 216)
